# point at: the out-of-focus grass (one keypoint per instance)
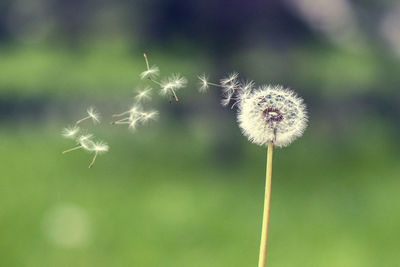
(159, 199)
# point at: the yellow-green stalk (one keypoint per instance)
(267, 200)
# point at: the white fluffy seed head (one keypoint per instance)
(70, 132)
(154, 71)
(93, 114)
(272, 114)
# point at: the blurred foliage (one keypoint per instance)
(104, 69)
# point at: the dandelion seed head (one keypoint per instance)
(203, 80)
(70, 132)
(93, 114)
(272, 114)
(154, 71)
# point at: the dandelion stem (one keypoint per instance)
(120, 114)
(214, 84)
(81, 120)
(264, 233)
(175, 96)
(94, 159)
(147, 61)
(119, 121)
(234, 104)
(154, 81)
(148, 68)
(71, 149)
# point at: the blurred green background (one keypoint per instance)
(188, 189)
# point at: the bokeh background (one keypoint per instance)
(188, 189)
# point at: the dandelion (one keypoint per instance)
(269, 116)
(203, 80)
(70, 132)
(92, 114)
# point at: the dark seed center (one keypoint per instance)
(272, 115)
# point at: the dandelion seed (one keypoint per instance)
(226, 100)
(172, 84)
(134, 109)
(204, 85)
(175, 82)
(92, 114)
(133, 124)
(152, 115)
(152, 72)
(86, 142)
(70, 132)
(135, 116)
(143, 95)
(83, 143)
(247, 86)
(71, 149)
(231, 78)
(99, 148)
